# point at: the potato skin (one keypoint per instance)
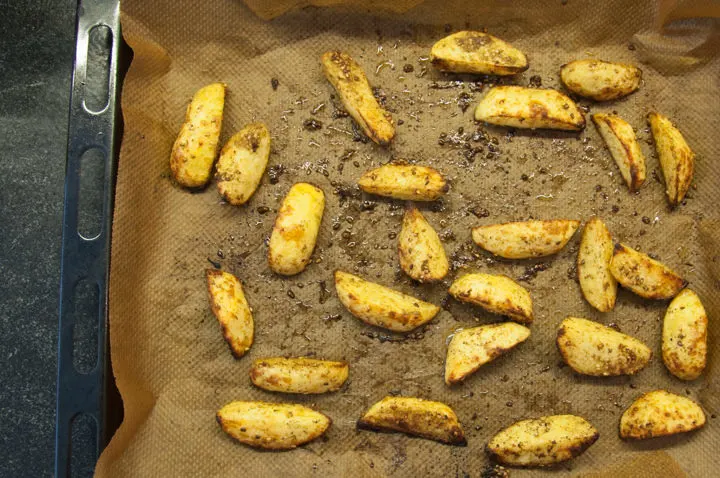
(381, 306)
(298, 375)
(296, 229)
(542, 441)
(660, 413)
(643, 275)
(600, 80)
(348, 78)
(472, 348)
(231, 309)
(422, 255)
(272, 426)
(477, 52)
(624, 148)
(522, 240)
(593, 263)
(495, 293)
(676, 158)
(684, 344)
(193, 153)
(593, 349)
(414, 416)
(242, 163)
(529, 108)
(404, 181)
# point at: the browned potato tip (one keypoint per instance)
(477, 52)
(600, 80)
(231, 309)
(660, 413)
(644, 275)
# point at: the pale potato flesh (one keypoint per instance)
(593, 349)
(684, 342)
(477, 52)
(495, 293)
(600, 80)
(676, 158)
(422, 255)
(644, 275)
(381, 306)
(624, 148)
(660, 413)
(231, 309)
(404, 181)
(193, 153)
(523, 240)
(298, 375)
(242, 163)
(593, 263)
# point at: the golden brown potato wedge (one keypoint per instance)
(593, 349)
(660, 413)
(684, 344)
(477, 52)
(414, 416)
(228, 303)
(643, 275)
(470, 349)
(676, 158)
(404, 181)
(593, 263)
(296, 229)
(298, 375)
(348, 78)
(624, 148)
(242, 163)
(193, 153)
(495, 293)
(600, 80)
(531, 108)
(542, 441)
(522, 240)
(273, 426)
(381, 306)
(422, 255)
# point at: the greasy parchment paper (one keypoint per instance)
(174, 370)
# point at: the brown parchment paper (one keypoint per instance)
(174, 370)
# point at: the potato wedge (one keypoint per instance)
(624, 148)
(600, 80)
(298, 375)
(414, 416)
(422, 255)
(272, 426)
(229, 306)
(542, 441)
(593, 349)
(522, 240)
(593, 264)
(643, 275)
(684, 343)
(349, 80)
(660, 413)
(195, 148)
(296, 229)
(242, 163)
(529, 108)
(495, 293)
(404, 181)
(676, 158)
(477, 52)
(470, 349)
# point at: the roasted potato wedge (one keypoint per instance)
(477, 52)
(348, 78)
(676, 158)
(422, 255)
(593, 349)
(495, 293)
(684, 342)
(600, 80)
(298, 375)
(404, 181)
(470, 349)
(529, 108)
(593, 264)
(228, 303)
(242, 163)
(381, 306)
(414, 416)
(522, 240)
(643, 275)
(272, 426)
(542, 441)
(624, 148)
(660, 413)
(193, 153)
(296, 229)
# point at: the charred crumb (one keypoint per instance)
(437, 206)
(274, 83)
(312, 124)
(572, 273)
(615, 208)
(263, 209)
(382, 338)
(368, 205)
(332, 318)
(475, 86)
(215, 264)
(408, 68)
(535, 81)
(479, 212)
(463, 101)
(220, 254)
(275, 172)
(631, 47)
(646, 220)
(400, 122)
(380, 95)
(447, 236)
(445, 85)
(358, 137)
(324, 292)
(532, 271)
(348, 154)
